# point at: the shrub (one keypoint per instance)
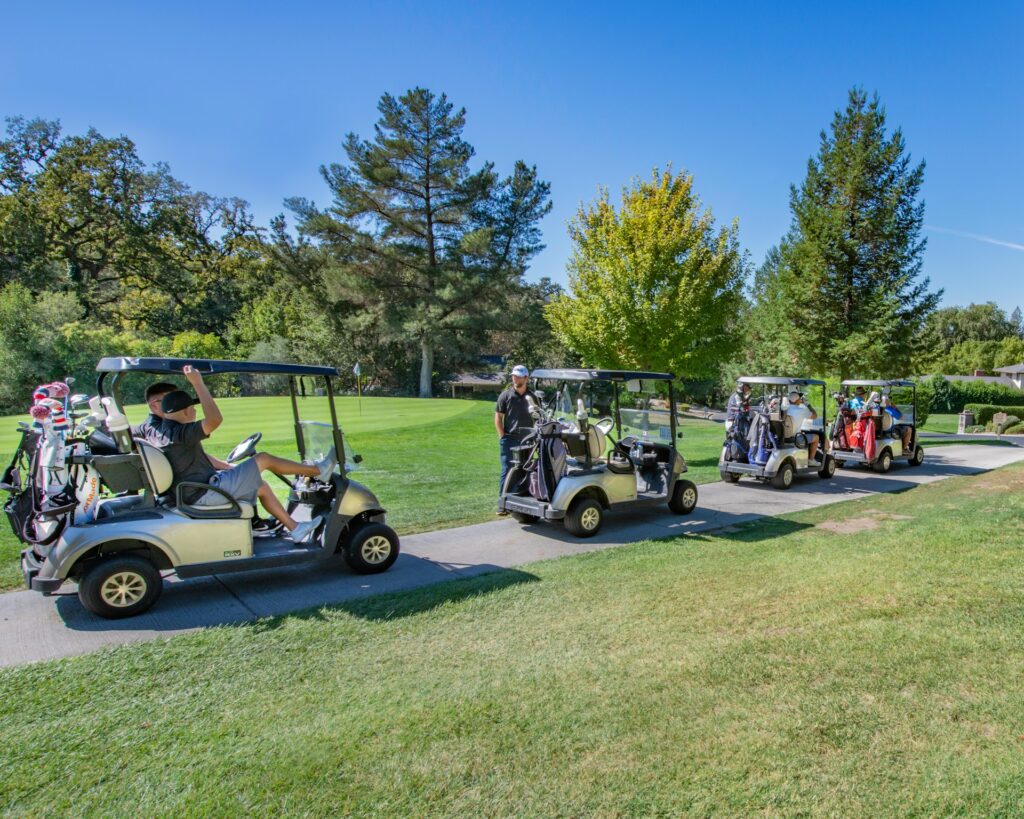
(1016, 429)
(953, 396)
(983, 412)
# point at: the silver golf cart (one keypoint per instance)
(849, 443)
(603, 439)
(141, 529)
(762, 440)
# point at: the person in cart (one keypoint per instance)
(803, 415)
(179, 436)
(904, 432)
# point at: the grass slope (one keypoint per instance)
(860, 659)
(433, 463)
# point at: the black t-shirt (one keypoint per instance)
(183, 446)
(516, 410)
(146, 428)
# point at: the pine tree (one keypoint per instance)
(851, 268)
(1017, 321)
(433, 250)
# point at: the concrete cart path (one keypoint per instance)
(34, 627)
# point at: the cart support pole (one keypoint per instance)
(295, 415)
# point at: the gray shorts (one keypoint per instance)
(241, 482)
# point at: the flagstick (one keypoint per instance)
(359, 391)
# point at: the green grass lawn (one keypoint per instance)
(433, 463)
(861, 659)
(942, 422)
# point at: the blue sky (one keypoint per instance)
(249, 99)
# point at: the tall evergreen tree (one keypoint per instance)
(432, 249)
(850, 273)
(1017, 321)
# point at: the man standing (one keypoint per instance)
(512, 419)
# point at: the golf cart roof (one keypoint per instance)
(207, 366)
(896, 382)
(781, 381)
(601, 375)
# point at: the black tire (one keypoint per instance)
(783, 479)
(684, 498)
(918, 457)
(828, 468)
(120, 587)
(729, 477)
(883, 463)
(522, 517)
(372, 548)
(584, 517)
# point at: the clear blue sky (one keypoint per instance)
(248, 99)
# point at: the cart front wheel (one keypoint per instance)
(918, 457)
(120, 587)
(684, 498)
(371, 549)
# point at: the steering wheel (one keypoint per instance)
(246, 449)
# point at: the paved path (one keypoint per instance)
(34, 627)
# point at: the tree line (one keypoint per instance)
(417, 264)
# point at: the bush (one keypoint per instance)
(953, 396)
(983, 412)
(1016, 429)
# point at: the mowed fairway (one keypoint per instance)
(433, 463)
(862, 659)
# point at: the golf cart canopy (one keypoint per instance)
(781, 381)
(892, 383)
(208, 366)
(601, 375)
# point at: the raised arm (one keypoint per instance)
(211, 412)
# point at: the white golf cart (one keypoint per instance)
(865, 432)
(603, 439)
(763, 441)
(140, 529)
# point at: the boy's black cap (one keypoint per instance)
(177, 401)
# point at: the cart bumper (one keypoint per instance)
(30, 567)
(743, 469)
(529, 506)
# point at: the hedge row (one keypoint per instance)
(953, 396)
(983, 412)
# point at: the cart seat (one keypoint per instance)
(159, 474)
(247, 508)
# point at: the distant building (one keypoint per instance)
(1012, 377)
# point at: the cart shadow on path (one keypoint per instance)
(412, 585)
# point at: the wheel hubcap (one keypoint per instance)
(376, 549)
(787, 477)
(123, 589)
(590, 518)
(689, 497)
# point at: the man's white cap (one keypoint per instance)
(521, 371)
(794, 396)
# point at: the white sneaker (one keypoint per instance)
(302, 532)
(326, 466)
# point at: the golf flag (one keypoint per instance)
(356, 371)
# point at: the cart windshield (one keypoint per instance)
(317, 440)
(647, 417)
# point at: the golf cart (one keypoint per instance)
(763, 440)
(138, 528)
(602, 439)
(869, 434)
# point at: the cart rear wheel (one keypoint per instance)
(828, 468)
(918, 457)
(120, 587)
(884, 462)
(522, 517)
(372, 548)
(784, 477)
(684, 498)
(729, 477)
(584, 517)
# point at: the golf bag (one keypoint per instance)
(550, 463)
(736, 439)
(760, 440)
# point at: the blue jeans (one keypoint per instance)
(505, 452)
